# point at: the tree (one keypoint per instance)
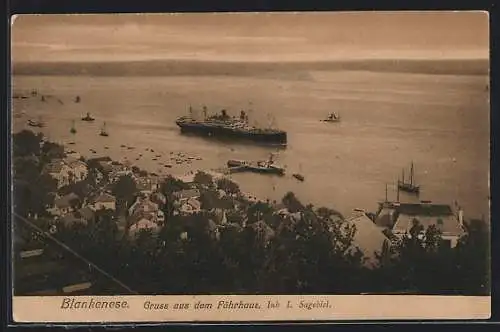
(75, 203)
(171, 185)
(327, 213)
(292, 203)
(125, 189)
(33, 193)
(473, 259)
(306, 257)
(258, 211)
(26, 143)
(203, 179)
(51, 151)
(228, 186)
(209, 200)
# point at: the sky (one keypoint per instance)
(251, 36)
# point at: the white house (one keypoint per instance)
(401, 217)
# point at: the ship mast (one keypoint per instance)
(397, 195)
(411, 174)
(205, 112)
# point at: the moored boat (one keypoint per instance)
(104, 132)
(88, 118)
(409, 187)
(261, 166)
(298, 176)
(235, 163)
(332, 117)
(224, 126)
(36, 123)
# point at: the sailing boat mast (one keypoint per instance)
(397, 197)
(411, 174)
(103, 130)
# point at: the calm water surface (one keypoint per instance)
(441, 123)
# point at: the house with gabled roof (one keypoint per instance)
(145, 208)
(105, 201)
(142, 204)
(401, 217)
(368, 237)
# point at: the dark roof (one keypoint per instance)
(105, 158)
(188, 193)
(447, 225)
(105, 166)
(424, 209)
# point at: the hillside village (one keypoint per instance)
(78, 193)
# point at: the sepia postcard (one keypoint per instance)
(210, 167)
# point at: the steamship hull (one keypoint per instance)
(274, 137)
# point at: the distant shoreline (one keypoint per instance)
(234, 68)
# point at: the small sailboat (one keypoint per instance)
(409, 187)
(73, 129)
(332, 117)
(88, 118)
(103, 132)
